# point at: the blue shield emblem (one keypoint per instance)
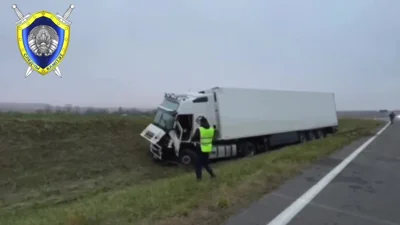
(43, 41)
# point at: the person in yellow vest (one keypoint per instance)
(203, 137)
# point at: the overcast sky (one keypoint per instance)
(130, 52)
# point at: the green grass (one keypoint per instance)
(51, 160)
(111, 183)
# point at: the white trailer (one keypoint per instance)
(248, 121)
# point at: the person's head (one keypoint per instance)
(204, 122)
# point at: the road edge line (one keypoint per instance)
(292, 210)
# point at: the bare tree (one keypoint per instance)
(90, 110)
(68, 108)
(120, 110)
(48, 108)
(58, 109)
(77, 110)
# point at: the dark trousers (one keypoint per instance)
(202, 161)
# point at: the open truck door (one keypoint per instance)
(176, 137)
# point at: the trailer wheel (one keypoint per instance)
(265, 145)
(187, 157)
(247, 149)
(320, 134)
(302, 137)
(311, 135)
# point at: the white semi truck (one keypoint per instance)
(248, 121)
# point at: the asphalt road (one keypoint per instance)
(366, 192)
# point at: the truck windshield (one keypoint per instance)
(165, 118)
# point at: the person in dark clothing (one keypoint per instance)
(391, 116)
(203, 137)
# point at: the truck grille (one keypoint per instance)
(149, 134)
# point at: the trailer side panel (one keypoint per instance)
(252, 112)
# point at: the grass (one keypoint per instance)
(52, 160)
(104, 176)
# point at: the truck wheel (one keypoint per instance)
(302, 137)
(247, 149)
(188, 157)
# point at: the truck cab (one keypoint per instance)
(175, 123)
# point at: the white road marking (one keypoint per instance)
(360, 216)
(291, 211)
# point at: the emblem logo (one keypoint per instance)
(43, 39)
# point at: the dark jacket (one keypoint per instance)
(392, 115)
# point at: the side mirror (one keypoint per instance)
(198, 119)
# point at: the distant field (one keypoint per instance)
(94, 170)
(362, 114)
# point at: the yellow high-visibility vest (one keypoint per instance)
(206, 137)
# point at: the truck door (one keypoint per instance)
(176, 136)
(186, 121)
